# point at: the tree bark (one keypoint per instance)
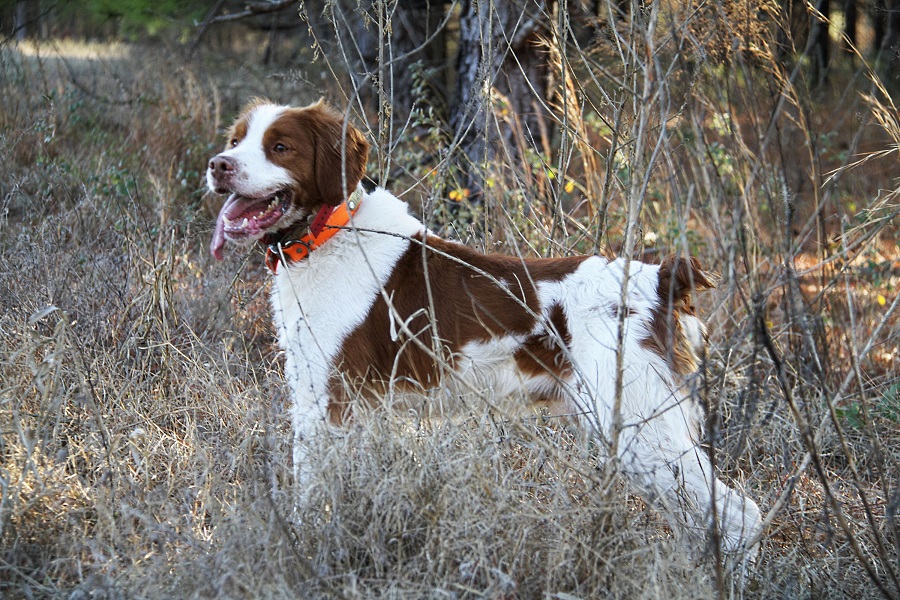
(820, 42)
(499, 71)
(851, 16)
(891, 44)
(878, 15)
(394, 51)
(19, 21)
(795, 30)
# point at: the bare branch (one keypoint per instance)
(253, 9)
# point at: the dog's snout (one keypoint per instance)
(222, 165)
(221, 173)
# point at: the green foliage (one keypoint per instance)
(132, 20)
(886, 407)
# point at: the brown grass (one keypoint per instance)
(144, 440)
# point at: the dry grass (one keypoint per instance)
(144, 442)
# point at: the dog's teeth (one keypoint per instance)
(227, 221)
(245, 222)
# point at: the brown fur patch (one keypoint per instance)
(319, 153)
(476, 297)
(678, 277)
(238, 130)
(542, 353)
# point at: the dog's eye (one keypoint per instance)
(233, 142)
(279, 147)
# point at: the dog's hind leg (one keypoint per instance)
(659, 455)
(657, 446)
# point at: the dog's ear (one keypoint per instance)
(678, 277)
(340, 155)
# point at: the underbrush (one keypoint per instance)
(145, 447)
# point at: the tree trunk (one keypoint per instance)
(391, 48)
(794, 33)
(500, 71)
(878, 15)
(19, 20)
(386, 42)
(850, 19)
(820, 42)
(891, 44)
(397, 59)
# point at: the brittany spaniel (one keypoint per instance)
(369, 306)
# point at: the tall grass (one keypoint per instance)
(144, 440)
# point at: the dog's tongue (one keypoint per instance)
(218, 239)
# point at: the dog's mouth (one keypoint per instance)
(244, 219)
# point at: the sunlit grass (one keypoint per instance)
(68, 48)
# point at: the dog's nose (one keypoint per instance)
(222, 165)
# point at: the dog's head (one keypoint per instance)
(280, 165)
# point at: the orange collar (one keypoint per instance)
(326, 224)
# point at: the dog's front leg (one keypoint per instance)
(308, 419)
(308, 380)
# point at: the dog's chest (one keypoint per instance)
(318, 302)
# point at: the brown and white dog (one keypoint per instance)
(366, 299)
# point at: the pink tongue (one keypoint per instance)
(218, 240)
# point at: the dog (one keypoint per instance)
(369, 304)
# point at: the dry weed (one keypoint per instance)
(144, 442)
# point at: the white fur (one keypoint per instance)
(695, 332)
